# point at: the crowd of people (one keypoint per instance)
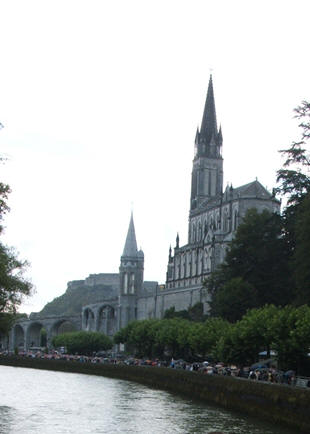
(257, 372)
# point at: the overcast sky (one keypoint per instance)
(100, 101)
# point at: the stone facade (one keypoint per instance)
(213, 219)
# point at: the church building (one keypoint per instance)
(214, 214)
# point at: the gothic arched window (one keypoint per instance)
(235, 219)
(125, 283)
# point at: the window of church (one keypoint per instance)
(132, 283)
(225, 220)
(217, 219)
(125, 283)
(211, 223)
(199, 231)
(235, 223)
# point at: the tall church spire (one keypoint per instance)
(207, 174)
(208, 123)
(208, 140)
(130, 248)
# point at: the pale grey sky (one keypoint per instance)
(100, 101)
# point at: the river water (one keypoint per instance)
(46, 402)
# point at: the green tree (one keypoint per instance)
(301, 257)
(255, 271)
(172, 337)
(233, 299)
(291, 338)
(13, 286)
(83, 342)
(246, 338)
(204, 337)
(294, 176)
(172, 313)
(193, 313)
(294, 185)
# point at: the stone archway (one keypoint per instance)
(33, 334)
(18, 335)
(107, 320)
(89, 322)
(61, 326)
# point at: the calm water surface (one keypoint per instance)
(46, 402)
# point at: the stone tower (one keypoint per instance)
(131, 277)
(207, 173)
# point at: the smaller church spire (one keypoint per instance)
(177, 241)
(130, 248)
(220, 136)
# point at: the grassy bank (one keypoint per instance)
(275, 403)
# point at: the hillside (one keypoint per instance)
(71, 302)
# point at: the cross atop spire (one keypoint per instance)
(130, 248)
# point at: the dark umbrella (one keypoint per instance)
(258, 365)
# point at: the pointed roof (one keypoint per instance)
(130, 248)
(208, 123)
(252, 190)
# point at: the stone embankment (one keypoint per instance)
(276, 403)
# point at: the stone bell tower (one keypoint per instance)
(131, 277)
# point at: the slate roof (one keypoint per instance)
(252, 190)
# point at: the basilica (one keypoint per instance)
(214, 216)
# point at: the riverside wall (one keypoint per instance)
(279, 404)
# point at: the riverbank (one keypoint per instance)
(271, 402)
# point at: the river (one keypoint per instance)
(47, 402)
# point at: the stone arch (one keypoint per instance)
(33, 334)
(62, 326)
(18, 336)
(107, 319)
(89, 322)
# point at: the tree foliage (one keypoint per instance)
(83, 342)
(13, 286)
(301, 256)
(285, 330)
(193, 313)
(294, 184)
(255, 271)
(294, 176)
